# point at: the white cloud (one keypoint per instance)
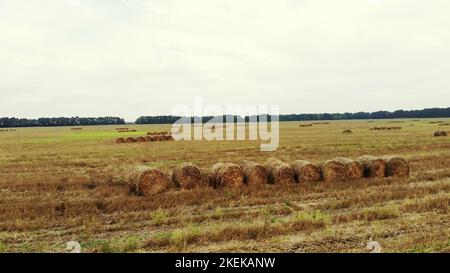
(139, 57)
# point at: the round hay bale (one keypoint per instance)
(130, 140)
(373, 167)
(148, 138)
(279, 172)
(396, 166)
(139, 139)
(170, 138)
(347, 132)
(354, 168)
(305, 171)
(254, 174)
(440, 133)
(145, 181)
(187, 176)
(120, 140)
(334, 171)
(226, 174)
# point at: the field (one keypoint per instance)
(59, 185)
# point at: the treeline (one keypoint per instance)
(78, 121)
(51, 122)
(425, 113)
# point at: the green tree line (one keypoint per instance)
(425, 113)
(61, 121)
(79, 121)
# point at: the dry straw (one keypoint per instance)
(305, 171)
(130, 140)
(396, 166)
(187, 176)
(226, 175)
(354, 168)
(373, 166)
(334, 171)
(254, 174)
(279, 172)
(139, 139)
(145, 181)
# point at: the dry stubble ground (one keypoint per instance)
(58, 185)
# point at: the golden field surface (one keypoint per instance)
(59, 185)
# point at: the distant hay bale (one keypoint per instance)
(254, 174)
(279, 172)
(321, 123)
(306, 125)
(373, 167)
(170, 138)
(396, 166)
(187, 176)
(226, 175)
(440, 133)
(334, 171)
(145, 181)
(148, 138)
(305, 171)
(165, 137)
(354, 168)
(139, 139)
(130, 140)
(120, 140)
(347, 132)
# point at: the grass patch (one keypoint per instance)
(159, 217)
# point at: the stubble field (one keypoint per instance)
(59, 185)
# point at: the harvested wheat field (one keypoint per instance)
(57, 185)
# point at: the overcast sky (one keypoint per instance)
(142, 57)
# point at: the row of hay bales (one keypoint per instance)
(386, 128)
(440, 133)
(147, 181)
(155, 133)
(321, 123)
(121, 140)
(125, 130)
